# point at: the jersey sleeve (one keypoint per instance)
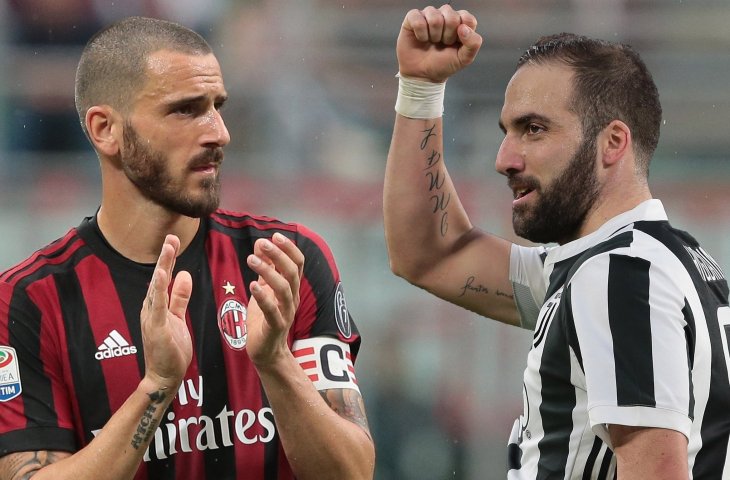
(528, 283)
(34, 409)
(323, 308)
(630, 327)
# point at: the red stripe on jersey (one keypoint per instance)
(304, 352)
(348, 355)
(308, 365)
(313, 377)
(104, 307)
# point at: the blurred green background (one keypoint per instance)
(312, 89)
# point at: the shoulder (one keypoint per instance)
(238, 224)
(57, 256)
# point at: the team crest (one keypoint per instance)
(9, 374)
(342, 316)
(232, 324)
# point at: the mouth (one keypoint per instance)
(521, 187)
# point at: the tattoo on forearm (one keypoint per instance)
(348, 404)
(436, 179)
(478, 288)
(23, 465)
(148, 423)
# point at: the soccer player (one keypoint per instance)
(628, 370)
(240, 365)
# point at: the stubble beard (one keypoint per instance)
(148, 170)
(562, 206)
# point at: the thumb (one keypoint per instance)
(470, 41)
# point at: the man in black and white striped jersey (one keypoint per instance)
(628, 372)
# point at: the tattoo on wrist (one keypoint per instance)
(148, 423)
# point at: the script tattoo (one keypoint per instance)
(436, 179)
(348, 404)
(469, 286)
(148, 422)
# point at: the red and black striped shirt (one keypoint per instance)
(69, 324)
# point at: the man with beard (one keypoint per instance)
(240, 364)
(628, 371)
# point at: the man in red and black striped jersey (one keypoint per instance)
(240, 364)
(628, 372)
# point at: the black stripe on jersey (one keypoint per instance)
(629, 319)
(220, 462)
(689, 335)
(605, 464)
(95, 411)
(271, 449)
(25, 337)
(558, 402)
(591, 460)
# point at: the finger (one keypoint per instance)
(435, 21)
(291, 250)
(468, 19)
(416, 23)
(452, 20)
(471, 42)
(182, 289)
(288, 263)
(268, 275)
(267, 302)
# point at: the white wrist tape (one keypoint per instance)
(419, 99)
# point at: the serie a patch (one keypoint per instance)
(10, 386)
(327, 362)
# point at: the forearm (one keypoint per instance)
(117, 450)
(319, 443)
(422, 213)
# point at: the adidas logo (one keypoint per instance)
(114, 345)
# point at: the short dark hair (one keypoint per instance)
(611, 82)
(113, 64)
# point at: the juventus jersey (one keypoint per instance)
(631, 327)
(71, 348)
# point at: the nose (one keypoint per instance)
(216, 132)
(509, 158)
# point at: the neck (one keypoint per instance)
(615, 200)
(139, 234)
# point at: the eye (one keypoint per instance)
(534, 129)
(185, 109)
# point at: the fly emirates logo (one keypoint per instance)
(207, 433)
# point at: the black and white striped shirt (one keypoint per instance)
(631, 328)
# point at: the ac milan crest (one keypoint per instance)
(232, 324)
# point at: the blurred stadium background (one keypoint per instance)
(312, 89)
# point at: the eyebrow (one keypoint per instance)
(525, 119)
(219, 99)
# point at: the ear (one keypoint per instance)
(104, 125)
(614, 143)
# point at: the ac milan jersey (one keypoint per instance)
(633, 330)
(71, 348)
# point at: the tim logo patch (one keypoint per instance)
(232, 324)
(9, 374)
